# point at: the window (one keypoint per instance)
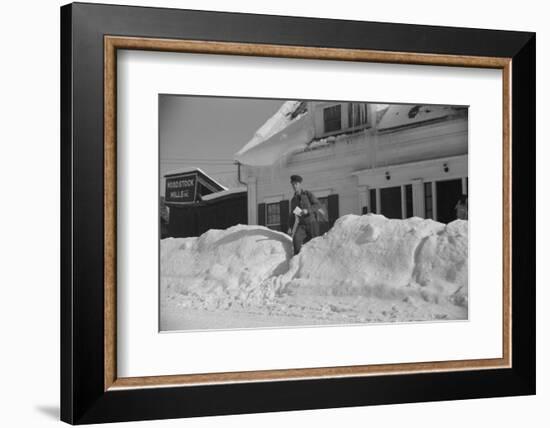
(357, 114)
(332, 117)
(273, 216)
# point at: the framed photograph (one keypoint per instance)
(267, 213)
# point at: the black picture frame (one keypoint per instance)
(83, 396)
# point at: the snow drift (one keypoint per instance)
(367, 255)
(221, 266)
(371, 255)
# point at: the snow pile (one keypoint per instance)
(223, 266)
(371, 255)
(442, 263)
(368, 256)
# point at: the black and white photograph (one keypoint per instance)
(243, 214)
(279, 213)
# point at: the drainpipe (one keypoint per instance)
(239, 173)
(373, 134)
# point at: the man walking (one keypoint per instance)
(304, 208)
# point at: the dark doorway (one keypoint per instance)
(390, 202)
(448, 193)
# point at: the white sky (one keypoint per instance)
(205, 132)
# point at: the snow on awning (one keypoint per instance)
(223, 193)
(287, 131)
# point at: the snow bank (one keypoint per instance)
(224, 265)
(367, 255)
(371, 255)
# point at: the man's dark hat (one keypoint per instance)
(295, 179)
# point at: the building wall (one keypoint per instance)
(447, 138)
(350, 165)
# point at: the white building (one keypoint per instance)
(397, 160)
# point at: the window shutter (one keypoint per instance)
(372, 202)
(332, 209)
(285, 211)
(261, 214)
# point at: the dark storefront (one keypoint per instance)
(197, 203)
(218, 213)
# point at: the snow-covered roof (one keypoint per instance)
(189, 169)
(398, 115)
(291, 129)
(223, 193)
(280, 120)
(288, 130)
